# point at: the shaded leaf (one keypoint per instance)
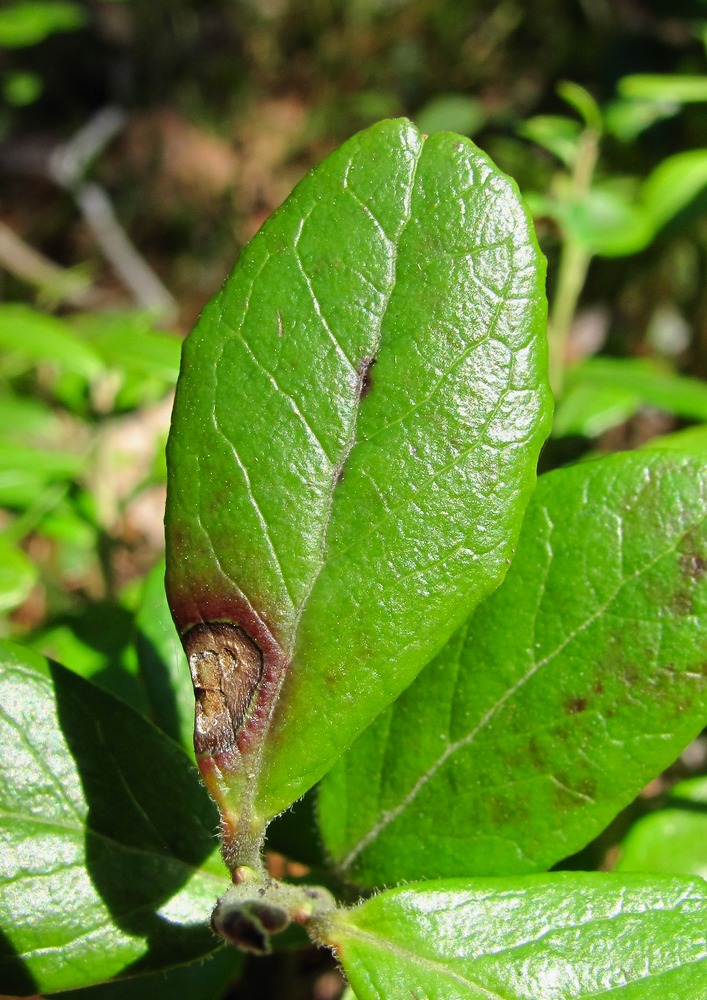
(97, 645)
(107, 863)
(354, 440)
(574, 684)
(203, 980)
(554, 937)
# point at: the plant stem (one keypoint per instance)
(574, 264)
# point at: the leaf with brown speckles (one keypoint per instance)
(580, 679)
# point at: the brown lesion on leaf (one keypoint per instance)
(693, 555)
(574, 705)
(365, 380)
(693, 565)
(226, 668)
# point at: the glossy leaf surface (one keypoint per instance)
(573, 685)
(354, 439)
(672, 839)
(106, 852)
(554, 937)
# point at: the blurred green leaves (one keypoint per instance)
(29, 22)
(603, 392)
(64, 386)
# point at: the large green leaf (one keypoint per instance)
(106, 837)
(567, 690)
(552, 937)
(354, 440)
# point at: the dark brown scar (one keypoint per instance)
(364, 375)
(226, 669)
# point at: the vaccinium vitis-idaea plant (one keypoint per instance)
(353, 449)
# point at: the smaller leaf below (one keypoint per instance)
(565, 936)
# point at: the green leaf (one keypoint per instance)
(557, 134)
(31, 21)
(18, 575)
(626, 119)
(346, 514)
(21, 89)
(616, 217)
(610, 220)
(24, 419)
(129, 342)
(554, 937)
(692, 440)
(674, 183)
(451, 113)
(106, 860)
(582, 102)
(673, 839)
(163, 665)
(657, 87)
(574, 684)
(590, 408)
(35, 337)
(602, 392)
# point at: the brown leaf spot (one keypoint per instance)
(226, 668)
(693, 565)
(574, 705)
(364, 376)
